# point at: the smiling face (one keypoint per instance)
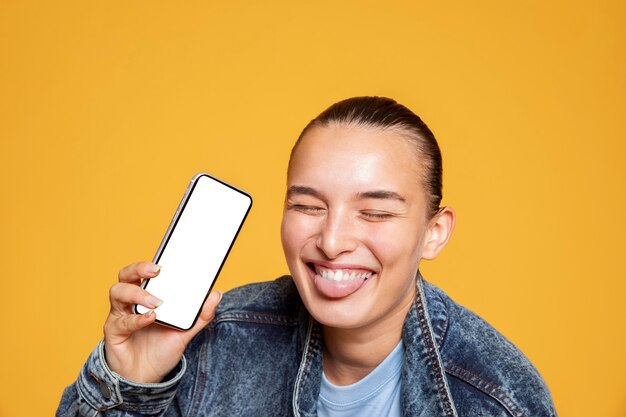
(355, 224)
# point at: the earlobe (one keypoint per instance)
(439, 231)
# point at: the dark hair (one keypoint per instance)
(385, 113)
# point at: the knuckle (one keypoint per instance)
(113, 291)
(116, 290)
(123, 272)
(122, 293)
(129, 271)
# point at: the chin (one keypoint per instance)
(338, 318)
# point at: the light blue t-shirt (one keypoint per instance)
(378, 394)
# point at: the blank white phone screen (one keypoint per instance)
(196, 250)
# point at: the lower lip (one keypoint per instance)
(337, 289)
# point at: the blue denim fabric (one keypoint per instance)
(262, 356)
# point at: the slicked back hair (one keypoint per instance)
(386, 113)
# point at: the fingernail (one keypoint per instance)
(220, 295)
(154, 301)
(149, 313)
(156, 268)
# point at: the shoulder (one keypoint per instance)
(250, 342)
(249, 319)
(271, 301)
(484, 367)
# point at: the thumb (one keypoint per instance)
(206, 315)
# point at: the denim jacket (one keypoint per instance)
(262, 356)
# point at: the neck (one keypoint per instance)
(351, 354)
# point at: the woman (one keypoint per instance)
(355, 330)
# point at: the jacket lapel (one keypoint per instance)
(425, 391)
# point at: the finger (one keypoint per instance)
(209, 308)
(206, 315)
(134, 273)
(123, 295)
(117, 329)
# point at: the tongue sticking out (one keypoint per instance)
(337, 289)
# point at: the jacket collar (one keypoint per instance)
(424, 390)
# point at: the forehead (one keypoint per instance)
(347, 157)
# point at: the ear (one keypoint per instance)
(439, 231)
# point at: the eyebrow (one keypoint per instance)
(302, 190)
(376, 194)
(381, 195)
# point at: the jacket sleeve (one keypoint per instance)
(98, 391)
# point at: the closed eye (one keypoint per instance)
(377, 215)
(312, 210)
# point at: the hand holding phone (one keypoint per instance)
(133, 347)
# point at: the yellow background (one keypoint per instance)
(108, 108)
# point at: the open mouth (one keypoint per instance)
(338, 275)
(338, 282)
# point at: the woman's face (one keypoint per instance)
(354, 224)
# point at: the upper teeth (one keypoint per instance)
(342, 275)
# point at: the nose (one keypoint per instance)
(336, 235)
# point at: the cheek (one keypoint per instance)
(295, 231)
(397, 247)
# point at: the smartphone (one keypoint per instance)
(194, 249)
